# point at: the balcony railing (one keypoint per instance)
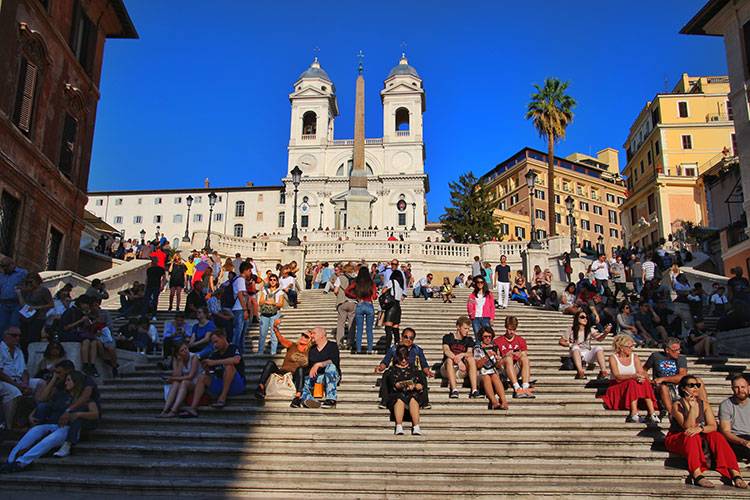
(402, 133)
(308, 137)
(716, 117)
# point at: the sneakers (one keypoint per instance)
(312, 403)
(634, 419)
(528, 394)
(426, 406)
(654, 419)
(519, 394)
(399, 430)
(416, 431)
(580, 376)
(329, 403)
(453, 394)
(93, 369)
(296, 403)
(475, 394)
(64, 450)
(11, 467)
(382, 405)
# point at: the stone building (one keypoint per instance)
(50, 64)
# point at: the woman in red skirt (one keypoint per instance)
(628, 382)
(692, 423)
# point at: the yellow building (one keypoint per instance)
(676, 137)
(594, 184)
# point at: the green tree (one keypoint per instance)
(469, 219)
(551, 110)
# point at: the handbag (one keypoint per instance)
(381, 318)
(280, 386)
(386, 300)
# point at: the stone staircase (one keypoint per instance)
(563, 442)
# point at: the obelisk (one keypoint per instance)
(358, 200)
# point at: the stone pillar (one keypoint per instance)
(533, 257)
(358, 177)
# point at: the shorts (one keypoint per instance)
(444, 370)
(8, 392)
(107, 343)
(516, 366)
(589, 356)
(236, 388)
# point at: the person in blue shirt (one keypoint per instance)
(11, 277)
(417, 359)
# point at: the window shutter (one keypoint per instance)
(67, 145)
(25, 96)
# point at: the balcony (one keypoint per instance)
(402, 133)
(717, 117)
(308, 137)
(736, 232)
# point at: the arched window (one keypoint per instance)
(309, 123)
(350, 167)
(239, 230)
(402, 119)
(239, 209)
(175, 242)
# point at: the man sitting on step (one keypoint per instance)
(515, 360)
(668, 368)
(734, 418)
(416, 359)
(224, 374)
(458, 358)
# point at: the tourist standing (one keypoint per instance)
(11, 279)
(177, 274)
(502, 282)
(364, 292)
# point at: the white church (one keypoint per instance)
(394, 165)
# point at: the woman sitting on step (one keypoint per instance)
(578, 340)
(295, 362)
(486, 357)
(629, 385)
(693, 426)
(186, 367)
(404, 389)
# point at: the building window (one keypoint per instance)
(140, 200)
(586, 244)
(401, 219)
(733, 138)
(682, 107)
(641, 166)
(620, 200)
(23, 109)
(239, 230)
(657, 148)
(177, 218)
(177, 200)
(584, 206)
(690, 170)
(520, 232)
(218, 217)
(558, 218)
(218, 199)
(730, 112)
(157, 219)
(597, 210)
(198, 199)
(598, 228)
(118, 219)
(540, 214)
(54, 246)
(98, 203)
(118, 202)
(538, 194)
(282, 217)
(513, 199)
(614, 233)
(651, 202)
(260, 197)
(83, 37)
(566, 186)
(557, 199)
(612, 216)
(259, 217)
(304, 221)
(687, 142)
(197, 217)
(541, 234)
(580, 191)
(66, 160)
(239, 209)
(157, 201)
(585, 225)
(503, 205)
(633, 216)
(504, 228)
(309, 123)
(137, 219)
(282, 197)
(648, 157)
(610, 198)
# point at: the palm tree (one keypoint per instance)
(550, 108)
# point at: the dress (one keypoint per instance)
(399, 374)
(621, 393)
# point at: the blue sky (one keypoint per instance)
(204, 91)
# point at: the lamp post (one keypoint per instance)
(600, 247)
(570, 204)
(211, 203)
(320, 226)
(143, 236)
(293, 240)
(158, 232)
(122, 234)
(186, 238)
(414, 217)
(531, 182)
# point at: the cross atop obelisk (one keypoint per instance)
(358, 177)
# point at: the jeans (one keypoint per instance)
(151, 300)
(238, 323)
(9, 315)
(46, 437)
(364, 311)
(266, 323)
(329, 376)
(292, 295)
(420, 291)
(478, 323)
(638, 285)
(43, 411)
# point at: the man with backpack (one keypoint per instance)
(345, 306)
(234, 297)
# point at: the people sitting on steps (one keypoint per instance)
(578, 340)
(446, 290)
(224, 374)
(195, 300)
(667, 369)
(324, 369)
(423, 287)
(486, 358)
(515, 361)
(186, 367)
(416, 358)
(295, 362)
(734, 417)
(458, 358)
(403, 392)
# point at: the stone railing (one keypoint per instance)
(230, 245)
(363, 234)
(115, 279)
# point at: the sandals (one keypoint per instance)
(219, 405)
(700, 481)
(167, 414)
(189, 413)
(581, 376)
(739, 482)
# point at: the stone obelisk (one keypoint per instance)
(358, 200)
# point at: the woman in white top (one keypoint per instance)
(185, 371)
(568, 300)
(270, 303)
(629, 384)
(578, 340)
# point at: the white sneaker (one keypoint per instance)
(399, 430)
(64, 450)
(634, 419)
(416, 431)
(654, 418)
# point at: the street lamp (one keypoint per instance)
(531, 182)
(122, 234)
(189, 201)
(414, 217)
(293, 240)
(600, 239)
(143, 236)
(320, 227)
(570, 204)
(211, 203)
(158, 232)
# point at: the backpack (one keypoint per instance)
(228, 298)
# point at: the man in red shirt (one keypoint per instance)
(515, 358)
(159, 254)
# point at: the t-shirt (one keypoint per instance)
(479, 309)
(161, 256)
(285, 282)
(416, 357)
(457, 346)
(663, 365)
(195, 299)
(330, 352)
(41, 297)
(736, 413)
(517, 344)
(619, 268)
(647, 320)
(231, 351)
(201, 331)
(740, 288)
(650, 268)
(236, 264)
(177, 276)
(476, 269)
(718, 299)
(238, 286)
(601, 270)
(637, 269)
(584, 344)
(480, 352)
(153, 276)
(503, 273)
(190, 266)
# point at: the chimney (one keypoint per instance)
(205, 183)
(249, 184)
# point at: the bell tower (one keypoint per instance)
(314, 107)
(403, 104)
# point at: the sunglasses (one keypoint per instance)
(305, 336)
(673, 350)
(694, 384)
(408, 337)
(582, 317)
